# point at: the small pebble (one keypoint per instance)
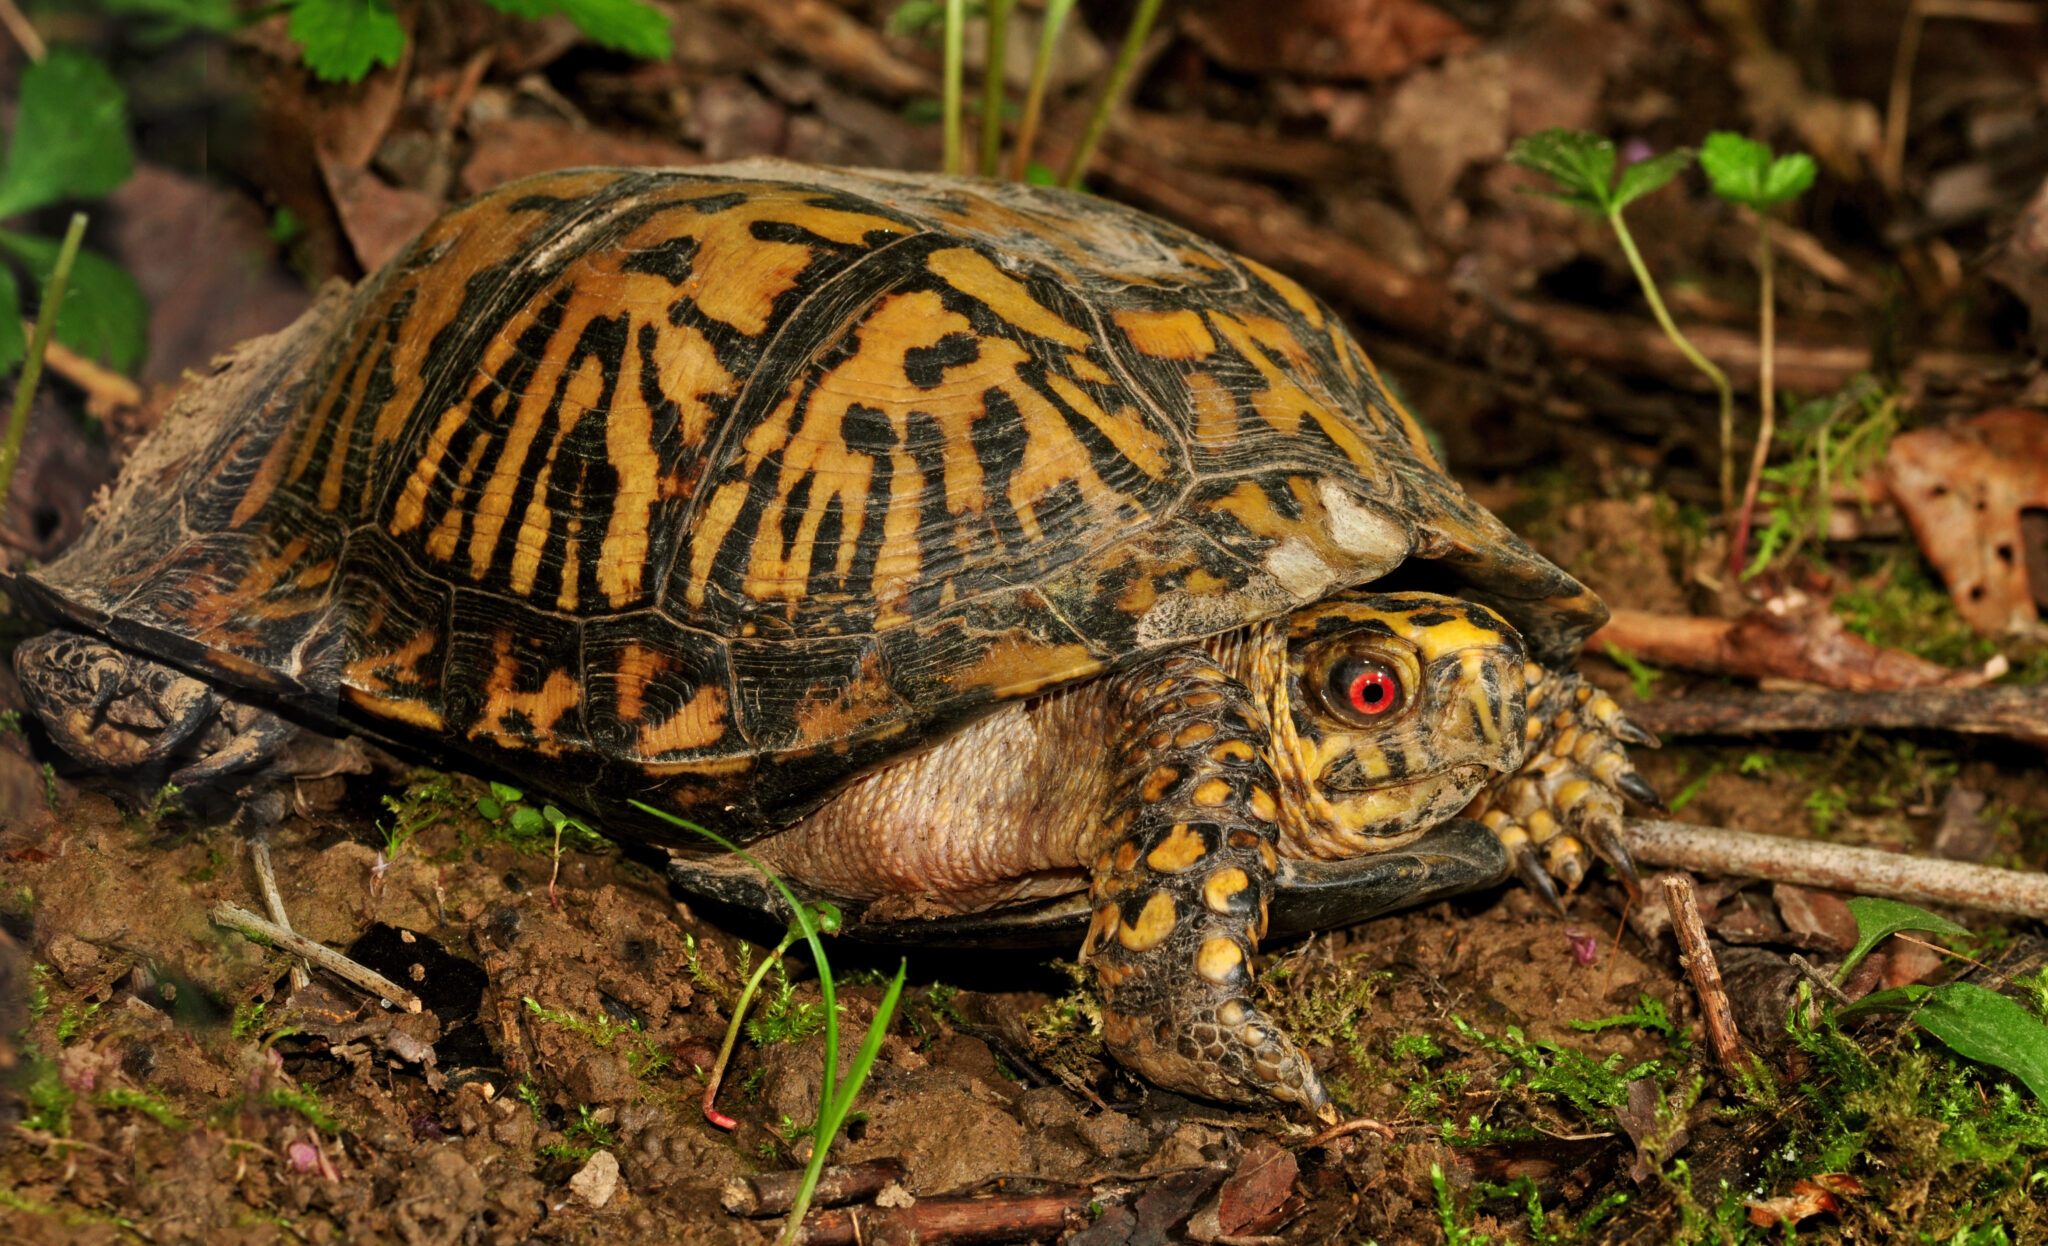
(597, 1180)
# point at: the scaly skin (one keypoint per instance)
(1181, 899)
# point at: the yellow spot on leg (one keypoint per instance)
(1212, 793)
(1224, 886)
(1220, 960)
(1180, 849)
(1155, 922)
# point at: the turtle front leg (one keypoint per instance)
(1569, 792)
(1181, 887)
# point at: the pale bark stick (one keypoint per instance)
(774, 1193)
(225, 914)
(1836, 867)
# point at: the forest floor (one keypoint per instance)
(1527, 1077)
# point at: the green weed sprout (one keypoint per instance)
(343, 39)
(993, 55)
(954, 61)
(32, 367)
(1743, 171)
(1112, 92)
(1582, 166)
(834, 1103)
(1055, 20)
(1976, 1023)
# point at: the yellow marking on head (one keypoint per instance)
(1287, 288)
(1156, 784)
(1178, 334)
(974, 274)
(1155, 922)
(398, 709)
(1459, 632)
(1219, 960)
(1212, 793)
(1220, 888)
(1472, 671)
(1180, 849)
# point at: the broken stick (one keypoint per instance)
(774, 1193)
(1994, 710)
(931, 1221)
(234, 918)
(1836, 867)
(1697, 956)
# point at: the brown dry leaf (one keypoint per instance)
(520, 146)
(1656, 1139)
(1325, 38)
(378, 219)
(1964, 488)
(1808, 1198)
(1440, 121)
(1790, 637)
(1822, 916)
(2021, 264)
(1255, 1194)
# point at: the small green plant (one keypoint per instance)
(38, 992)
(643, 1057)
(595, 1135)
(73, 1021)
(343, 39)
(1744, 171)
(1975, 1022)
(307, 1103)
(248, 1020)
(1594, 1088)
(1582, 167)
(1649, 1014)
(533, 830)
(1639, 673)
(835, 1102)
(150, 1105)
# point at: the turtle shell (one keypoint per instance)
(715, 487)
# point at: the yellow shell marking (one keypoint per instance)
(973, 273)
(1178, 334)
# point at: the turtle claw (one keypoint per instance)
(1605, 834)
(1536, 878)
(1638, 788)
(1626, 731)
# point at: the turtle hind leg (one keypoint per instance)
(1565, 803)
(1181, 888)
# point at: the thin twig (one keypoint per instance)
(1359, 1124)
(1891, 161)
(774, 1193)
(1767, 424)
(1836, 867)
(2019, 710)
(1112, 92)
(23, 31)
(236, 918)
(1697, 956)
(1820, 979)
(38, 343)
(266, 882)
(105, 389)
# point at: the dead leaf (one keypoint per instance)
(1964, 488)
(1255, 1194)
(378, 219)
(1325, 38)
(1658, 1136)
(1441, 121)
(517, 147)
(1808, 1198)
(1822, 916)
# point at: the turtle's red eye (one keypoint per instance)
(1363, 690)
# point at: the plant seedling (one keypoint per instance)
(1977, 1023)
(343, 39)
(1582, 166)
(834, 1104)
(1743, 171)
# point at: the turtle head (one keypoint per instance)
(1389, 713)
(107, 707)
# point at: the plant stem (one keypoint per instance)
(956, 38)
(732, 1035)
(1767, 400)
(995, 54)
(1112, 92)
(39, 342)
(1691, 352)
(1034, 99)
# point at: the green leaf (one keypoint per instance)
(534, 9)
(628, 26)
(527, 820)
(1878, 920)
(70, 134)
(1742, 171)
(1991, 1029)
(1790, 177)
(915, 17)
(341, 39)
(104, 316)
(506, 793)
(179, 16)
(1581, 164)
(13, 342)
(489, 808)
(1644, 176)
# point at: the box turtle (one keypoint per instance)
(1000, 561)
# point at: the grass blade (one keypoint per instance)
(1112, 92)
(956, 38)
(32, 367)
(1034, 98)
(992, 86)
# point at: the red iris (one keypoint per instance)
(1373, 692)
